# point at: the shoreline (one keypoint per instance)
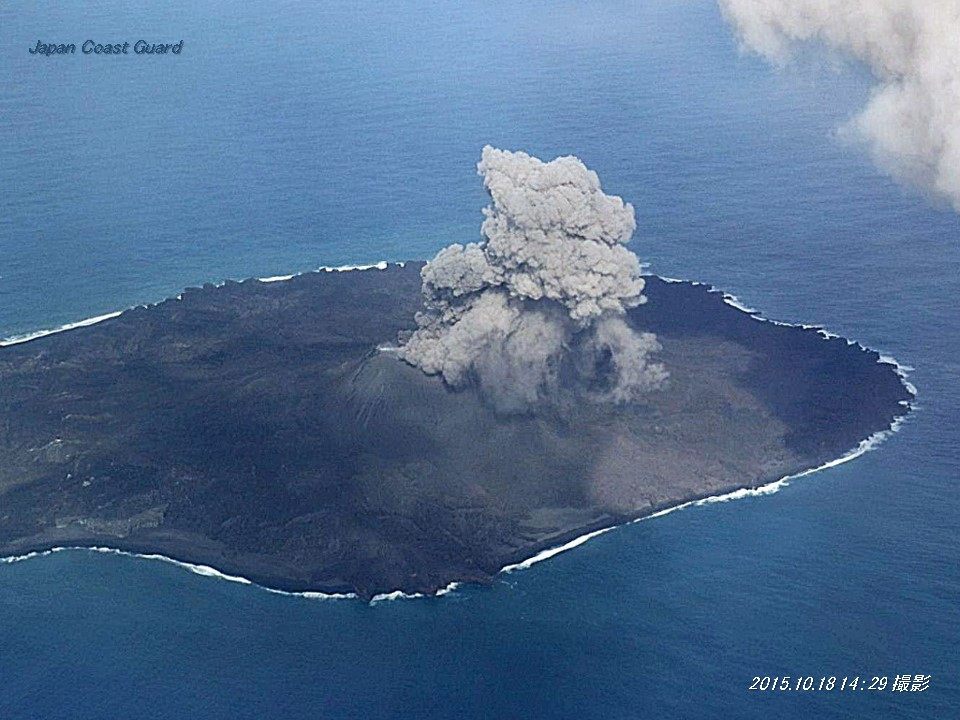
(865, 446)
(87, 322)
(727, 297)
(735, 493)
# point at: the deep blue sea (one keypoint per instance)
(289, 135)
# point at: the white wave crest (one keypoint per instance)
(734, 301)
(400, 595)
(20, 558)
(382, 265)
(202, 570)
(27, 337)
(395, 595)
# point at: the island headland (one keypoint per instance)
(407, 427)
(268, 429)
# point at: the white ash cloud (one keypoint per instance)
(541, 297)
(912, 120)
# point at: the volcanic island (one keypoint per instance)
(276, 430)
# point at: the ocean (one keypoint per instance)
(292, 135)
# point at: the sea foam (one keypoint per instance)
(27, 337)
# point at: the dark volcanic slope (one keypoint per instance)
(256, 428)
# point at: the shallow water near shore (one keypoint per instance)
(355, 140)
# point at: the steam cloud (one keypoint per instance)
(541, 298)
(912, 121)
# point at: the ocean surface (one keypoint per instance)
(290, 135)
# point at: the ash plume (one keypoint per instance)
(912, 121)
(538, 303)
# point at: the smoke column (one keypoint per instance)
(912, 120)
(539, 302)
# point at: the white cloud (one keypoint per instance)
(912, 121)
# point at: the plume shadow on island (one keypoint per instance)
(279, 432)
